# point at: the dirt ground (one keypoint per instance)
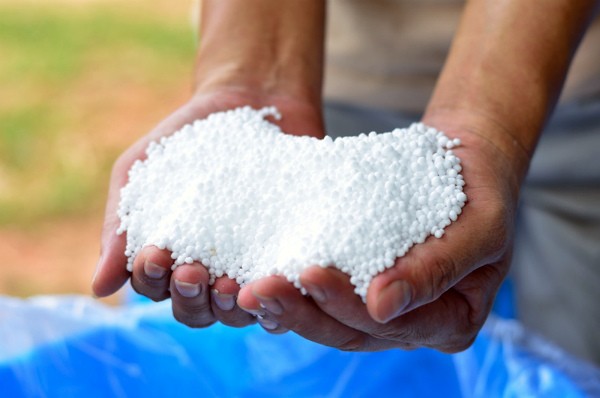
(56, 257)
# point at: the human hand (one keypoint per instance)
(194, 303)
(495, 95)
(437, 296)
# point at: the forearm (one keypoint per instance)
(273, 47)
(506, 68)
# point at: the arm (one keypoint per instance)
(500, 83)
(263, 46)
(254, 53)
(505, 71)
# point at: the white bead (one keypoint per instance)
(235, 194)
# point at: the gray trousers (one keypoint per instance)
(556, 259)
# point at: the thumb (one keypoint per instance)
(477, 238)
(111, 272)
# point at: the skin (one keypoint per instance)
(271, 65)
(500, 82)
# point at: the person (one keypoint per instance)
(500, 81)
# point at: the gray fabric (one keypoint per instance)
(567, 154)
(347, 120)
(556, 266)
(556, 261)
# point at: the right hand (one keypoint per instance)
(194, 302)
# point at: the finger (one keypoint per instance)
(443, 324)
(428, 270)
(190, 295)
(331, 290)
(224, 304)
(111, 272)
(151, 274)
(451, 323)
(285, 305)
(271, 325)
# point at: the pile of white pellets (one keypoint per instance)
(236, 194)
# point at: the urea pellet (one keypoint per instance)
(235, 193)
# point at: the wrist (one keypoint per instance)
(273, 49)
(249, 79)
(301, 115)
(504, 72)
(482, 133)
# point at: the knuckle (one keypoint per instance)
(193, 319)
(197, 307)
(395, 333)
(443, 274)
(152, 284)
(154, 293)
(437, 273)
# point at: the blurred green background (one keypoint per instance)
(79, 82)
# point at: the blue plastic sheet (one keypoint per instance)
(73, 346)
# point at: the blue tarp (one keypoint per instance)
(72, 346)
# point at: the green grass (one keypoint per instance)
(49, 52)
(49, 44)
(22, 135)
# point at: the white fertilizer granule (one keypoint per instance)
(236, 194)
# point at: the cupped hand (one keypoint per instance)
(194, 302)
(437, 296)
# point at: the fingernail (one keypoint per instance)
(257, 313)
(226, 302)
(154, 271)
(271, 305)
(393, 300)
(315, 292)
(186, 289)
(268, 324)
